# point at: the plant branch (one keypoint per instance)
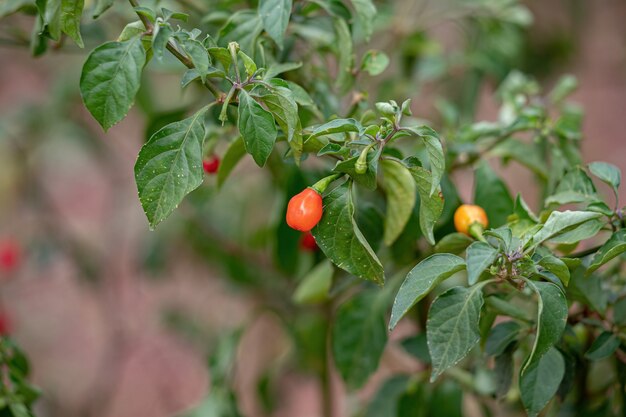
(171, 46)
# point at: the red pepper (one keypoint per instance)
(304, 210)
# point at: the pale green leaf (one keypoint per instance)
(561, 222)
(366, 12)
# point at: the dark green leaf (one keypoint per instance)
(540, 381)
(431, 204)
(480, 256)
(400, 190)
(501, 336)
(604, 346)
(236, 150)
(503, 371)
(422, 279)
(275, 17)
(169, 167)
(452, 326)
(359, 336)
(588, 290)
(557, 267)
(552, 316)
(111, 78)
(337, 126)
(368, 179)
(280, 102)
(385, 402)
(491, 193)
(453, 243)
(257, 128)
(340, 239)
(417, 346)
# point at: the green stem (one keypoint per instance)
(171, 46)
(322, 184)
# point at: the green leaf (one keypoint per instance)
(501, 336)
(275, 17)
(604, 346)
(539, 383)
(400, 189)
(436, 157)
(359, 336)
(417, 346)
(607, 173)
(71, 12)
(492, 194)
(588, 291)
(8, 7)
(337, 126)
(365, 12)
(340, 239)
(160, 39)
(613, 247)
(199, 56)
(480, 256)
(574, 187)
(385, 402)
(561, 222)
(527, 154)
(421, 280)
(50, 11)
(431, 205)
(101, 7)
(244, 28)
(552, 317)
(374, 62)
(619, 312)
(452, 326)
(345, 55)
(280, 102)
(277, 69)
(315, 285)
(257, 128)
(169, 167)
(235, 151)
(110, 80)
(557, 267)
(368, 179)
(248, 63)
(564, 87)
(453, 243)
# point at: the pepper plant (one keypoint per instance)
(518, 309)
